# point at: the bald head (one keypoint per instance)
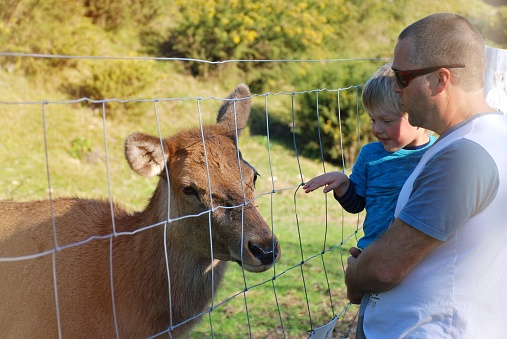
(444, 39)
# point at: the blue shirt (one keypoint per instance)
(378, 176)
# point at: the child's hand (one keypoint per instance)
(331, 181)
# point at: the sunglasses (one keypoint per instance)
(404, 77)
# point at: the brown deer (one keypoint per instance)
(121, 286)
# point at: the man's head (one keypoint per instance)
(439, 62)
(448, 39)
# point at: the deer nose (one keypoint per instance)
(267, 255)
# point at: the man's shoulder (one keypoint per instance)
(462, 154)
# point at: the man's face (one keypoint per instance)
(413, 97)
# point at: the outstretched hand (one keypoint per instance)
(331, 181)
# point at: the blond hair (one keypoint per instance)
(378, 96)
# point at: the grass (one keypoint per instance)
(305, 288)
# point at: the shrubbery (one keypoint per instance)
(340, 127)
(54, 27)
(217, 30)
(112, 15)
(117, 79)
(79, 28)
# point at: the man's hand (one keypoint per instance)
(354, 296)
(381, 266)
(354, 251)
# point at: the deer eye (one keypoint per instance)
(189, 190)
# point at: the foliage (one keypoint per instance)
(29, 27)
(227, 30)
(217, 31)
(80, 148)
(117, 79)
(494, 29)
(342, 126)
(66, 27)
(224, 30)
(112, 15)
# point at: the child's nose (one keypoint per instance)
(377, 128)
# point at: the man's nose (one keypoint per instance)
(396, 88)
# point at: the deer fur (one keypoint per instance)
(28, 305)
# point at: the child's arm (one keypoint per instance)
(344, 190)
(337, 181)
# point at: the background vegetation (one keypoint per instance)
(216, 31)
(354, 36)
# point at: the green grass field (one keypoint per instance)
(314, 233)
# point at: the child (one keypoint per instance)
(382, 167)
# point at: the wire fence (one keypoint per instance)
(301, 295)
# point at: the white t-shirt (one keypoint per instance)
(457, 194)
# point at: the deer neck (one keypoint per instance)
(157, 209)
(193, 278)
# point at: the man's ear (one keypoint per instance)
(444, 77)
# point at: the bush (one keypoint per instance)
(342, 131)
(117, 79)
(42, 27)
(112, 15)
(67, 27)
(215, 30)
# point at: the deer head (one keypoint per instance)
(206, 172)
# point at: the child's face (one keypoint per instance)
(395, 132)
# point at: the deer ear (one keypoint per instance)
(234, 113)
(144, 154)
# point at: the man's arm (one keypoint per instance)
(387, 261)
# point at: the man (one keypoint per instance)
(439, 271)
